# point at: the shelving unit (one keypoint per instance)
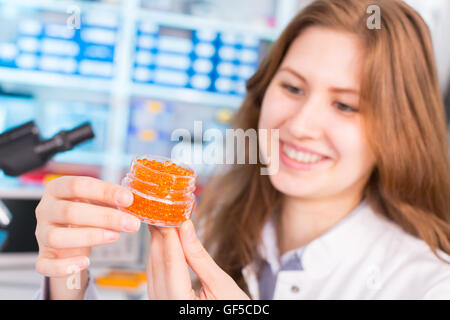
(62, 6)
(22, 192)
(121, 88)
(185, 95)
(187, 22)
(53, 80)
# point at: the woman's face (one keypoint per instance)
(313, 100)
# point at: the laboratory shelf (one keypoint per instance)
(53, 80)
(21, 192)
(183, 21)
(62, 6)
(175, 20)
(91, 85)
(186, 95)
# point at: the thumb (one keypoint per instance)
(209, 273)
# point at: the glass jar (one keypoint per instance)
(163, 190)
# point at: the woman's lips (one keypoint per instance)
(296, 165)
(302, 149)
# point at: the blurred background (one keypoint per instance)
(135, 70)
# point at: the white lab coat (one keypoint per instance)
(365, 256)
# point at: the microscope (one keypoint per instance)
(22, 150)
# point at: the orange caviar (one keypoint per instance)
(162, 189)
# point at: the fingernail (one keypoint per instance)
(124, 197)
(130, 223)
(111, 235)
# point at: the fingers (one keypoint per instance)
(150, 286)
(178, 280)
(156, 262)
(73, 201)
(52, 253)
(58, 237)
(90, 215)
(61, 267)
(88, 188)
(169, 265)
(210, 274)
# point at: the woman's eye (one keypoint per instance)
(292, 89)
(345, 107)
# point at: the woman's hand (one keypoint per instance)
(167, 270)
(75, 214)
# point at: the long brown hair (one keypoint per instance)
(404, 116)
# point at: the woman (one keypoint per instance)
(359, 207)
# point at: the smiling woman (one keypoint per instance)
(361, 123)
(358, 207)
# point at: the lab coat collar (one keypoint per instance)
(268, 248)
(349, 239)
(345, 241)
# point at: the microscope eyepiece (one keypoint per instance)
(80, 134)
(22, 150)
(64, 140)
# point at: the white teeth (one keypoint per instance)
(301, 156)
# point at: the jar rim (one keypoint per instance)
(158, 158)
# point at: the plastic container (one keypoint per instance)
(163, 190)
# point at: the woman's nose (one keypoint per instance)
(308, 120)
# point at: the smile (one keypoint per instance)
(301, 160)
(303, 157)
